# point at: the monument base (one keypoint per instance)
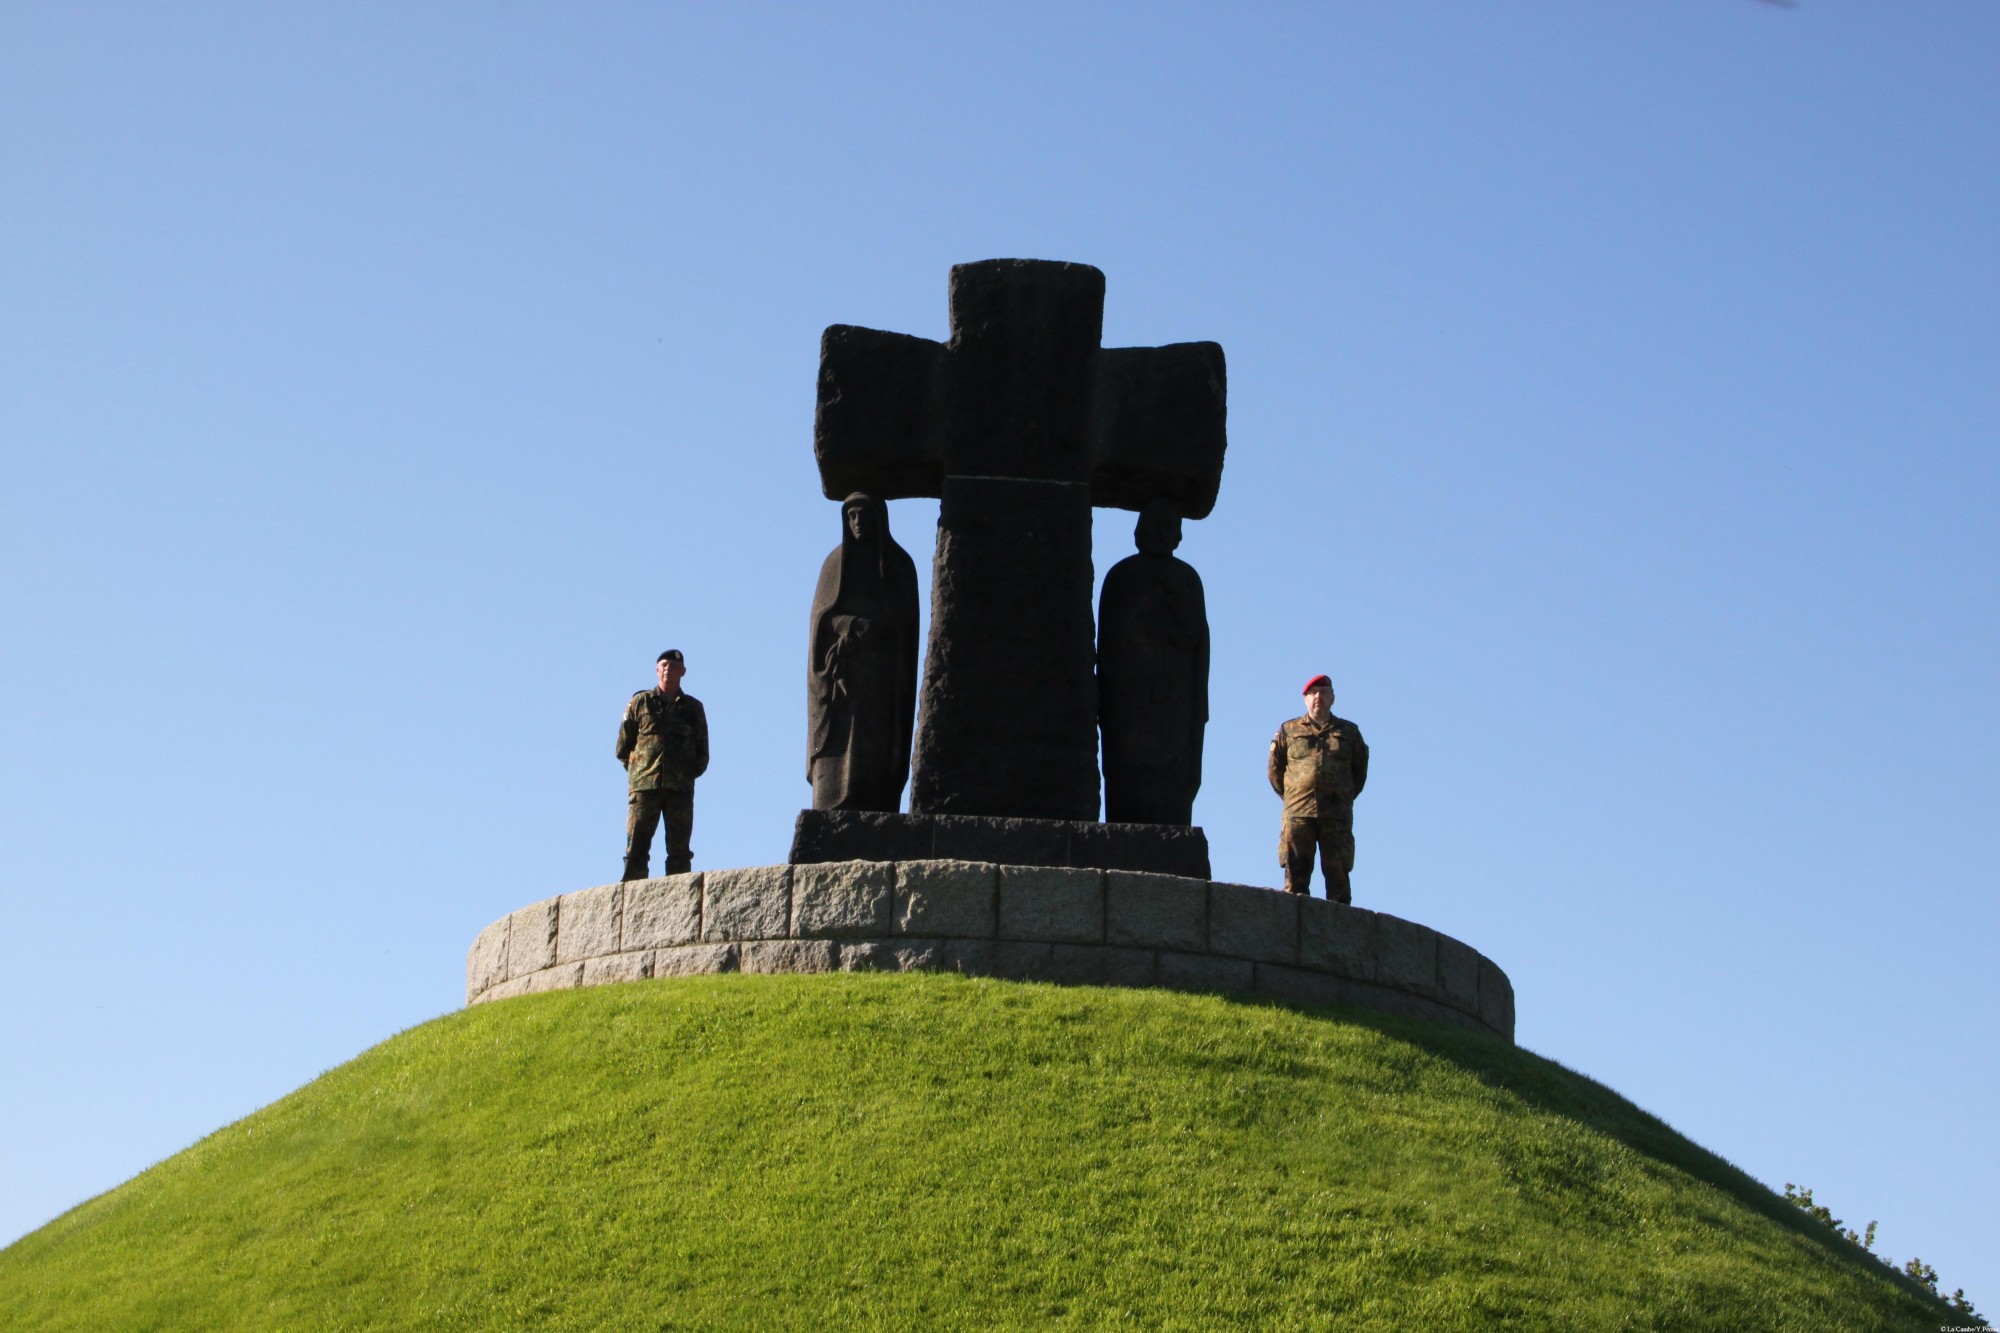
(1018, 923)
(869, 835)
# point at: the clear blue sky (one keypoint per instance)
(1613, 413)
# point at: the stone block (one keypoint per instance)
(1405, 955)
(661, 912)
(1246, 922)
(1334, 937)
(820, 836)
(1496, 999)
(1435, 1011)
(1458, 975)
(968, 957)
(1049, 903)
(1405, 1004)
(1021, 842)
(1298, 985)
(618, 967)
(860, 835)
(531, 938)
(897, 955)
(790, 956)
(1124, 967)
(972, 958)
(1155, 911)
(843, 899)
(1021, 960)
(693, 960)
(1076, 964)
(486, 962)
(753, 904)
(872, 955)
(1193, 971)
(563, 976)
(1385, 1000)
(587, 923)
(1089, 964)
(1469, 1022)
(946, 898)
(1162, 849)
(505, 990)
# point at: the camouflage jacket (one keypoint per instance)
(1318, 769)
(663, 741)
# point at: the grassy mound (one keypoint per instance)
(934, 1152)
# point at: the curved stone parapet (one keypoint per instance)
(1030, 923)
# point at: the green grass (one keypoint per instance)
(927, 1151)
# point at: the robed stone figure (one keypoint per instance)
(1152, 677)
(861, 700)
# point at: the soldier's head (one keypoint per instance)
(858, 512)
(1159, 528)
(670, 667)
(1319, 698)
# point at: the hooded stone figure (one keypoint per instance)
(861, 697)
(1152, 677)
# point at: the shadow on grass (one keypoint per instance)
(1553, 1088)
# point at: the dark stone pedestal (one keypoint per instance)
(866, 835)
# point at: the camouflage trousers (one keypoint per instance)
(1332, 836)
(643, 812)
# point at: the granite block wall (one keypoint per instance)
(1077, 926)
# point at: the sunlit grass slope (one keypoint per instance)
(927, 1151)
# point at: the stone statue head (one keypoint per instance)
(1159, 528)
(864, 517)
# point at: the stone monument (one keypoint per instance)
(1152, 676)
(861, 695)
(1019, 425)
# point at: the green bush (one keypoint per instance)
(1916, 1269)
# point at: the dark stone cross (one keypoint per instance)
(1019, 425)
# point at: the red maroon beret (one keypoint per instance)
(1316, 682)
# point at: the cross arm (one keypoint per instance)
(1158, 418)
(879, 425)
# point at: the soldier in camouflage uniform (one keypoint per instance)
(663, 743)
(1319, 763)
